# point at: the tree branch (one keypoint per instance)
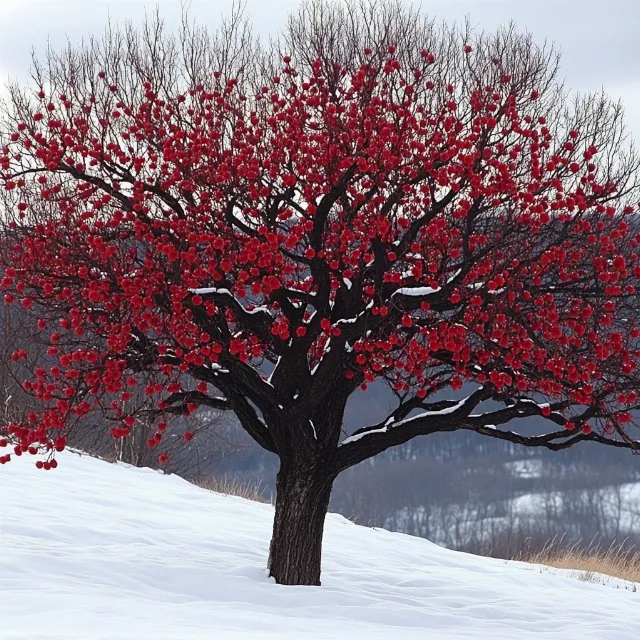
(449, 415)
(177, 402)
(398, 429)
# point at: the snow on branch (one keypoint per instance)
(208, 291)
(391, 422)
(416, 291)
(421, 292)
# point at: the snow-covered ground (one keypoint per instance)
(98, 551)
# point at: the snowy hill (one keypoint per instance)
(98, 551)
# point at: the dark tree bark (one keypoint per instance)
(302, 502)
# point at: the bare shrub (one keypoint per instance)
(591, 563)
(232, 486)
(194, 446)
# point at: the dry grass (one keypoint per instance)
(242, 488)
(592, 563)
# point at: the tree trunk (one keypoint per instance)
(302, 501)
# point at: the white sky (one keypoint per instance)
(600, 39)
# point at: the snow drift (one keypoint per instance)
(99, 551)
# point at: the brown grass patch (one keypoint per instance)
(242, 488)
(592, 563)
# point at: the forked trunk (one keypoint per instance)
(302, 501)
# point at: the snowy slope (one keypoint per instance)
(98, 551)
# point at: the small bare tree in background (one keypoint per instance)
(194, 446)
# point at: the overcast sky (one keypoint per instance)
(600, 39)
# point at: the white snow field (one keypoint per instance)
(99, 551)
